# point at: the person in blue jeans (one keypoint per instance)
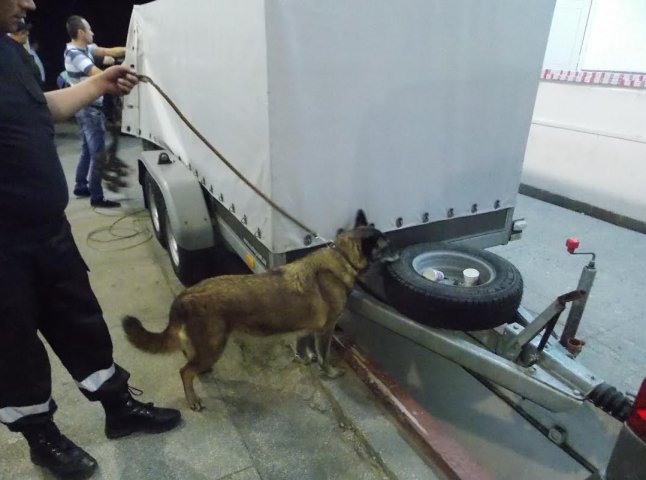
(88, 178)
(80, 63)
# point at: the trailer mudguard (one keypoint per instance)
(183, 198)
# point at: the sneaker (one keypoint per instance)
(134, 416)
(50, 449)
(82, 191)
(103, 203)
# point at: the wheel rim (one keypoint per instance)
(154, 210)
(154, 214)
(173, 248)
(452, 264)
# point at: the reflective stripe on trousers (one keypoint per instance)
(91, 384)
(11, 414)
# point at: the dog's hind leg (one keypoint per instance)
(206, 354)
(188, 373)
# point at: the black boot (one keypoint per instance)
(51, 449)
(125, 415)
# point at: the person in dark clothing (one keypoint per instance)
(44, 283)
(22, 37)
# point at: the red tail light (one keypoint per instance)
(637, 419)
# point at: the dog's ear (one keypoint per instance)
(368, 242)
(360, 220)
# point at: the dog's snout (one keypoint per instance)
(385, 251)
(391, 255)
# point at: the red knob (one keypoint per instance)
(572, 244)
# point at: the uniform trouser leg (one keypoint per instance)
(44, 287)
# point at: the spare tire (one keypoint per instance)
(448, 303)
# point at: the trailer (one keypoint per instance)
(266, 126)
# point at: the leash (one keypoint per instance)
(230, 166)
(114, 170)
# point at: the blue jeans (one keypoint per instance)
(92, 123)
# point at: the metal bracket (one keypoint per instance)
(535, 383)
(512, 345)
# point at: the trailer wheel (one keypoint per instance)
(190, 266)
(156, 209)
(448, 303)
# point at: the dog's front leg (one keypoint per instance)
(304, 349)
(323, 342)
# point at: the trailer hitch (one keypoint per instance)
(513, 347)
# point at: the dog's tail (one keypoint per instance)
(151, 342)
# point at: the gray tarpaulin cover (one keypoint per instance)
(398, 107)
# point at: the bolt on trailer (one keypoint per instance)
(416, 112)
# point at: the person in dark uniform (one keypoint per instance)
(22, 37)
(44, 284)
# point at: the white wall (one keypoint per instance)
(588, 143)
(588, 136)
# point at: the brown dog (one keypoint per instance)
(306, 295)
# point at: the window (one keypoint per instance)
(598, 35)
(615, 39)
(566, 35)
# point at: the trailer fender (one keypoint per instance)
(183, 199)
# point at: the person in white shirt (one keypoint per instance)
(80, 64)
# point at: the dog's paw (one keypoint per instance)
(196, 404)
(305, 358)
(304, 350)
(330, 372)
